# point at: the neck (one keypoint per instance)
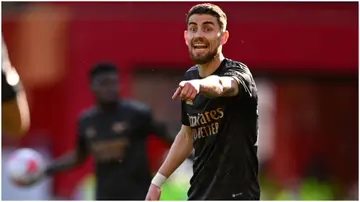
(210, 67)
(106, 107)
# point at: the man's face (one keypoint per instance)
(105, 87)
(203, 37)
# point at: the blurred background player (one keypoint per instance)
(114, 131)
(15, 109)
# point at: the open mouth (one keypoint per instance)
(199, 46)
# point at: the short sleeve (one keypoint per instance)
(8, 91)
(81, 139)
(184, 116)
(243, 77)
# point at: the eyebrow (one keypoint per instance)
(204, 23)
(208, 22)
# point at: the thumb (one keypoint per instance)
(148, 197)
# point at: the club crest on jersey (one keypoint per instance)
(90, 132)
(118, 127)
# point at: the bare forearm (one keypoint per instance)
(23, 111)
(11, 118)
(215, 86)
(63, 163)
(179, 151)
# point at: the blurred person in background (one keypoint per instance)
(114, 132)
(15, 109)
(219, 117)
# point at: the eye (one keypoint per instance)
(208, 29)
(192, 29)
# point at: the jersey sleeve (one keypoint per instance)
(184, 116)
(81, 138)
(243, 77)
(8, 91)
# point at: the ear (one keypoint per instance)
(185, 37)
(224, 38)
(91, 88)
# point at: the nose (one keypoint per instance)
(199, 33)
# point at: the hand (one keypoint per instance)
(187, 90)
(29, 183)
(153, 193)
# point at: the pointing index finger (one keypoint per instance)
(177, 93)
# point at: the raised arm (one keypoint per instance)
(235, 81)
(15, 109)
(73, 158)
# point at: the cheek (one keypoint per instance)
(214, 43)
(100, 91)
(188, 41)
(213, 39)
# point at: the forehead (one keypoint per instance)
(201, 19)
(106, 76)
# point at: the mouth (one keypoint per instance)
(200, 46)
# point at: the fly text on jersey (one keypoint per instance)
(209, 122)
(108, 150)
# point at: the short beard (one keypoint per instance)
(204, 59)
